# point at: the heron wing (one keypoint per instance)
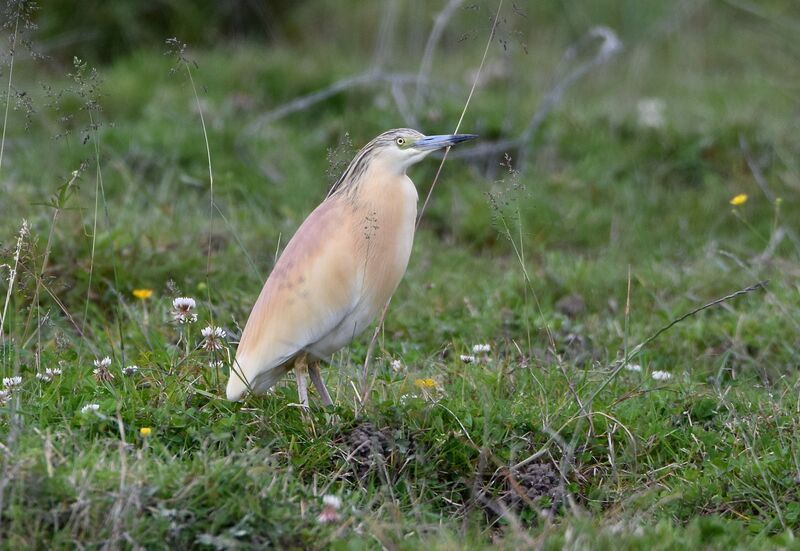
(312, 288)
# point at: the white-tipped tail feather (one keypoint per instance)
(242, 379)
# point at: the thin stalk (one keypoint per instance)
(8, 90)
(211, 188)
(365, 370)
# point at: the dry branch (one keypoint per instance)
(609, 48)
(439, 24)
(368, 78)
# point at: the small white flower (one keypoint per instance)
(101, 372)
(481, 349)
(184, 303)
(467, 359)
(651, 112)
(11, 382)
(217, 364)
(90, 407)
(211, 330)
(330, 510)
(130, 370)
(396, 365)
(661, 375)
(214, 338)
(182, 310)
(4, 396)
(634, 367)
(48, 374)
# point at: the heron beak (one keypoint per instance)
(429, 143)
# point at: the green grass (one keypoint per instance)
(706, 459)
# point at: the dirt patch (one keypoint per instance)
(536, 484)
(367, 449)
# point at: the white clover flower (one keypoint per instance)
(467, 359)
(213, 331)
(101, 372)
(330, 510)
(90, 407)
(182, 310)
(481, 349)
(661, 375)
(48, 374)
(396, 365)
(634, 367)
(11, 382)
(184, 303)
(651, 112)
(130, 370)
(214, 338)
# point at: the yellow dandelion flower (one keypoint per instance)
(740, 199)
(142, 294)
(425, 383)
(144, 432)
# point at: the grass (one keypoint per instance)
(621, 228)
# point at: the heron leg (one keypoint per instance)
(301, 370)
(319, 384)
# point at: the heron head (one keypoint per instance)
(404, 147)
(393, 152)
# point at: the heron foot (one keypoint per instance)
(301, 370)
(319, 384)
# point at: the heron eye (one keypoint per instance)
(400, 141)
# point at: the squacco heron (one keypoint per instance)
(338, 271)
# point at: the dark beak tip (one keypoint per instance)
(459, 138)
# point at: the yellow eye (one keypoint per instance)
(400, 141)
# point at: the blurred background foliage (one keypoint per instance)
(100, 31)
(599, 180)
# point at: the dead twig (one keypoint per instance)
(749, 289)
(439, 24)
(401, 101)
(367, 78)
(761, 285)
(385, 35)
(609, 48)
